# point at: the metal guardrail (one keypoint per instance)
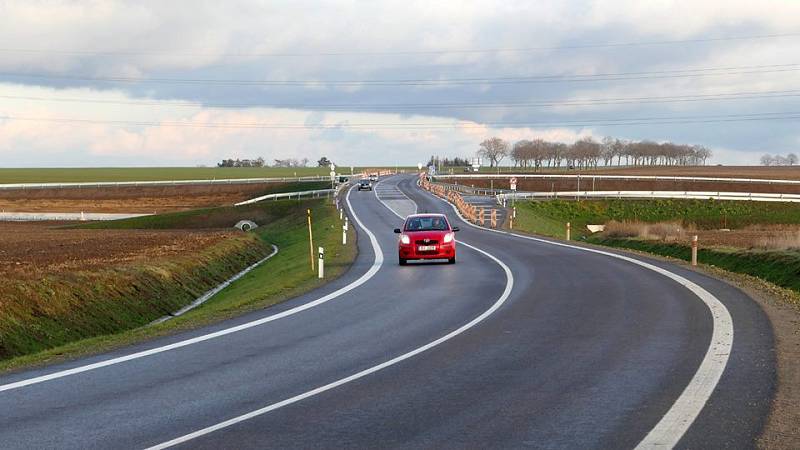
(704, 195)
(622, 177)
(313, 194)
(10, 186)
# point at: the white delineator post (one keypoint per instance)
(568, 229)
(321, 262)
(344, 233)
(694, 250)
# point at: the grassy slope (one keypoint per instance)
(285, 275)
(779, 267)
(75, 175)
(64, 307)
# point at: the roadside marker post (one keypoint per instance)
(694, 250)
(568, 230)
(321, 262)
(344, 234)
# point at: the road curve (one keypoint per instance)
(521, 343)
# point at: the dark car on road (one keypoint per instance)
(365, 185)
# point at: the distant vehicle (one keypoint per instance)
(373, 177)
(426, 236)
(364, 185)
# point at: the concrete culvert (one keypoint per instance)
(246, 225)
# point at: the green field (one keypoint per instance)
(93, 311)
(549, 217)
(86, 175)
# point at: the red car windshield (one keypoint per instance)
(432, 223)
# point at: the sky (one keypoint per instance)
(186, 83)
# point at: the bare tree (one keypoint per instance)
(494, 149)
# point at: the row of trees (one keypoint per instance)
(588, 153)
(779, 160)
(258, 162)
(261, 162)
(438, 161)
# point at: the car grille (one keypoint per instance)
(426, 242)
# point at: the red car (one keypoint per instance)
(427, 236)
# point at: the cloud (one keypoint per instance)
(66, 44)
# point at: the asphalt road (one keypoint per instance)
(521, 343)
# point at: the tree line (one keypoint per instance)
(779, 160)
(261, 162)
(439, 161)
(589, 153)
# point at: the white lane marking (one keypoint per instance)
(671, 428)
(395, 189)
(376, 265)
(244, 417)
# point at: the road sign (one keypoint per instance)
(513, 182)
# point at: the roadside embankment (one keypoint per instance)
(82, 288)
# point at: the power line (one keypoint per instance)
(750, 95)
(791, 115)
(555, 78)
(396, 52)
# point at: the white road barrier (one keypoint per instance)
(703, 195)
(620, 177)
(10, 186)
(45, 216)
(299, 194)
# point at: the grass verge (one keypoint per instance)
(284, 276)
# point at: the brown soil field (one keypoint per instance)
(778, 173)
(34, 248)
(132, 199)
(587, 184)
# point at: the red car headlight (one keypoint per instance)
(448, 238)
(404, 239)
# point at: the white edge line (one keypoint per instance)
(244, 417)
(674, 424)
(376, 265)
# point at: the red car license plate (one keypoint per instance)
(426, 248)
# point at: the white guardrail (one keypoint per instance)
(66, 216)
(9, 186)
(622, 177)
(288, 195)
(744, 196)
